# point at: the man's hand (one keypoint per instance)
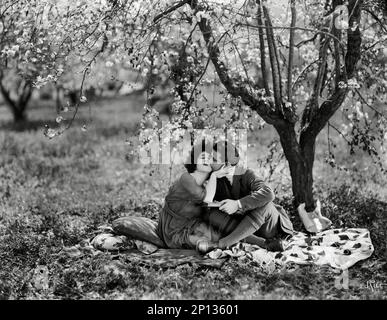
(223, 171)
(229, 206)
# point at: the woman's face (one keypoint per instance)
(204, 162)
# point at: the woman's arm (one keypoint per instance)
(211, 188)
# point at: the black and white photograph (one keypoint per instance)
(215, 151)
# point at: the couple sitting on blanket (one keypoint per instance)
(246, 210)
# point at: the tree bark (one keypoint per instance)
(300, 159)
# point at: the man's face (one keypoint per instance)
(218, 161)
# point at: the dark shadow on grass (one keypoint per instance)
(35, 125)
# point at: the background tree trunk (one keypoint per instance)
(18, 106)
(19, 113)
(58, 98)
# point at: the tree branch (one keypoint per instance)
(289, 28)
(264, 107)
(169, 10)
(376, 19)
(336, 54)
(7, 96)
(303, 71)
(291, 48)
(273, 55)
(306, 41)
(353, 38)
(105, 42)
(25, 94)
(331, 105)
(312, 104)
(342, 134)
(368, 105)
(262, 50)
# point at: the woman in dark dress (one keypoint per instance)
(181, 223)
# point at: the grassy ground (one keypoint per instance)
(55, 193)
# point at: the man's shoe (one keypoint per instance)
(204, 246)
(275, 245)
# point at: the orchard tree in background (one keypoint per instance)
(22, 52)
(290, 64)
(334, 47)
(40, 39)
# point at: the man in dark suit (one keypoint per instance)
(247, 211)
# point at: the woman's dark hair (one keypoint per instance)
(191, 163)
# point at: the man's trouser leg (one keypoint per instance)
(222, 221)
(267, 217)
(261, 222)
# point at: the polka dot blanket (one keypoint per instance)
(338, 248)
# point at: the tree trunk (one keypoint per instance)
(17, 106)
(73, 96)
(300, 159)
(19, 114)
(18, 109)
(58, 99)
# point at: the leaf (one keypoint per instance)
(72, 252)
(310, 258)
(343, 237)
(216, 254)
(336, 245)
(347, 252)
(278, 256)
(40, 278)
(145, 247)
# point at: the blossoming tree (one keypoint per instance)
(290, 64)
(295, 73)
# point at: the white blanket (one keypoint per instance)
(338, 248)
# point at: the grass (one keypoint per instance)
(55, 193)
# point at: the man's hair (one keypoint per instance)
(228, 151)
(197, 149)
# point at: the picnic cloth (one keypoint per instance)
(141, 252)
(338, 248)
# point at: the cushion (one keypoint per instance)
(140, 228)
(111, 242)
